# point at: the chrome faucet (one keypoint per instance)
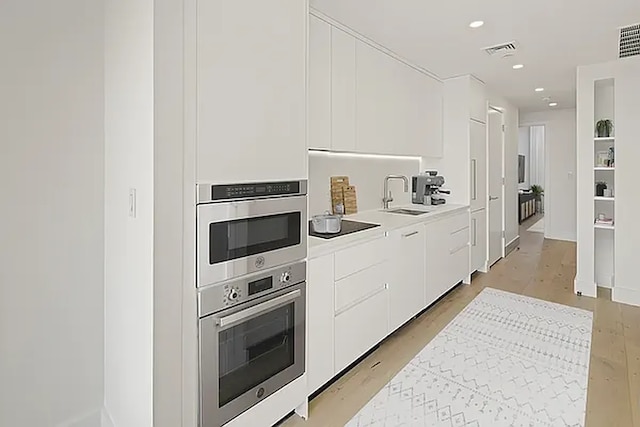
(388, 198)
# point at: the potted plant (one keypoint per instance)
(604, 128)
(538, 191)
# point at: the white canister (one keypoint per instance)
(608, 193)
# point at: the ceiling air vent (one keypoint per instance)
(504, 49)
(630, 41)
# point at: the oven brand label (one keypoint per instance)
(260, 262)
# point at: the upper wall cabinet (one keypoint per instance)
(251, 81)
(319, 83)
(343, 92)
(398, 108)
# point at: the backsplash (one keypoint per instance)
(365, 172)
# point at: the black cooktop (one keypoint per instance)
(348, 227)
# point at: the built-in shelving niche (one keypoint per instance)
(604, 171)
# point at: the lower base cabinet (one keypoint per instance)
(478, 240)
(320, 315)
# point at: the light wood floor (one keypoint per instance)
(542, 269)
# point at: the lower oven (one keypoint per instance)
(252, 340)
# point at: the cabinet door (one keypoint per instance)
(407, 282)
(478, 136)
(343, 90)
(319, 84)
(360, 327)
(251, 87)
(428, 127)
(478, 101)
(478, 240)
(320, 317)
(437, 255)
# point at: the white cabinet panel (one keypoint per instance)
(357, 258)
(478, 141)
(320, 317)
(359, 286)
(478, 240)
(251, 86)
(343, 90)
(429, 123)
(360, 328)
(407, 280)
(319, 83)
(478, 101)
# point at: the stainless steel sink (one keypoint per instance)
(403, 211)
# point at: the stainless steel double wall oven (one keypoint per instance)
(251, 275)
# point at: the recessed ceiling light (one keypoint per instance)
(476, 24)
(553, 104)
(539, 89)
(518, 66)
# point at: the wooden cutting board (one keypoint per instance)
(337, 194)
(350, 200)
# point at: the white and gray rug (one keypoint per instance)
(505, 360)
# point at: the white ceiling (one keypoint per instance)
(555, 36)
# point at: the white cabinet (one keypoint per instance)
(399, 109)
(447, 254)
(407, 280)
(251, 90)
(320, 317)
(478, 240)
(478, 101)
(478, 141)
(343, 91)
(362, 319)
(319, 84)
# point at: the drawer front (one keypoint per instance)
(458, 265)
(359, 257)
(458, 240)
(359, 286)
(360, 328)
(457, 222)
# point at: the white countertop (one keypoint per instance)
(388, 221)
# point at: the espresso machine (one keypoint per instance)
(426, 189)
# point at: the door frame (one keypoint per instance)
(503, 242)
(546, 163)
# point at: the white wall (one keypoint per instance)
(366, 173)
(511, 114)
(51, 219)
(560, 189)
(129, 241)
(524, 145)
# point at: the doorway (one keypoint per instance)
(532, 177)
(496, 185)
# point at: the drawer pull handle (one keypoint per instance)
(410, 234)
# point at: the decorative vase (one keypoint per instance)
(600, 187)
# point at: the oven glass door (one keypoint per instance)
(239, 238)
(251, 353)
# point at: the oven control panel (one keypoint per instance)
(219, 297)
(223, 192)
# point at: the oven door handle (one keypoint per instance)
(232, 319)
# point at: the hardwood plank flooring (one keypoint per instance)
(539, 268)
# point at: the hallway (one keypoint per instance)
(540, 268)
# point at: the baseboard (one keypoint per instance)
(88, 419)
(626, 296)
(587, 289)
(512, 246)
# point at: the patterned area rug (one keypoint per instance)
(505, 360)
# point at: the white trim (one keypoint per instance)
(626, 296)
(588, 289)
(371, 43)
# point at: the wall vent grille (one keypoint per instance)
(630, 41)
(502, 49)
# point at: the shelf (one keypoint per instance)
(606, 199)
(611, 138)
(604, 168)
(604, 226)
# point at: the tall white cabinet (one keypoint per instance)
(251, 90)
(368, 100)
(605, 252)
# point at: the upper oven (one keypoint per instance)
(244, 228)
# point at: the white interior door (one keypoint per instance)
(496, 196)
